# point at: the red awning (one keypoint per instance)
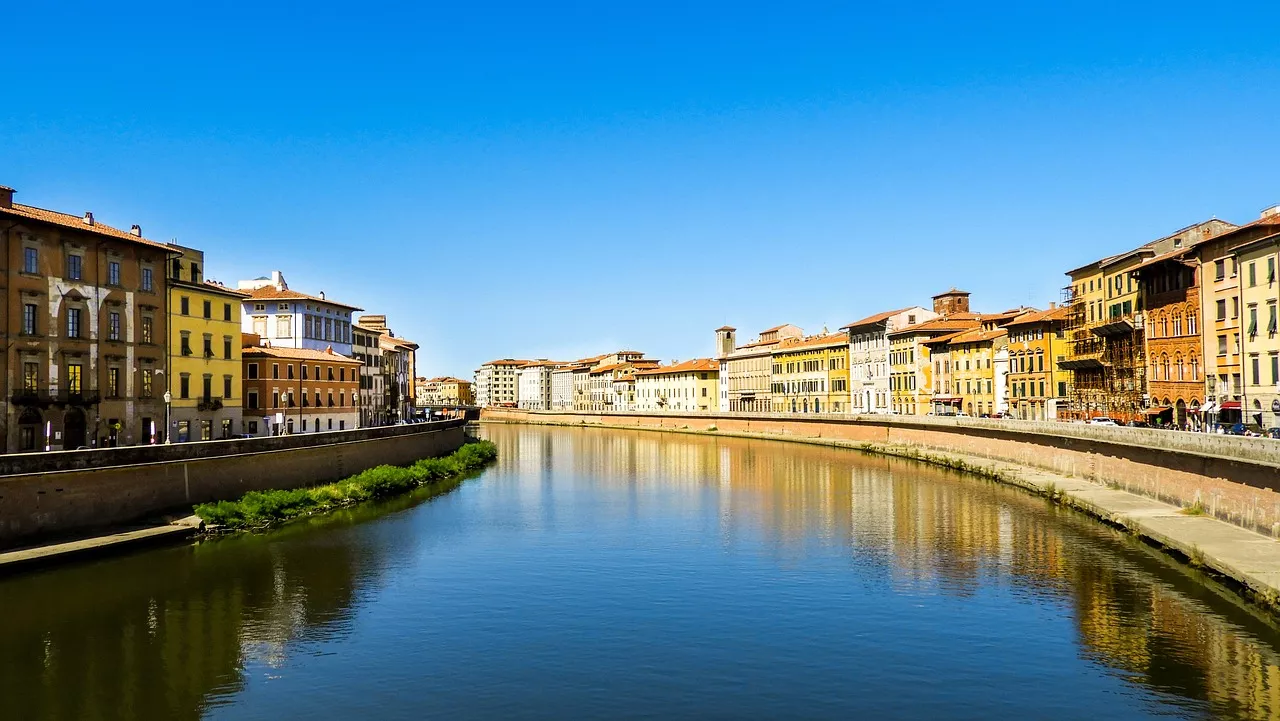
(1158, 410)
(1230, 405)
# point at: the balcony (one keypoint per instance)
(45, 398)
(209, 403)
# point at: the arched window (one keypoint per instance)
(1164, 367)
(1195, 366)
(1155, 369)
(1177, 323)
(1182, 376)
(1191, 323)
(1164, 326)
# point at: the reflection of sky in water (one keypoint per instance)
(637, 574)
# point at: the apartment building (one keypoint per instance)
(297, 390)
(745, 371)
(869, 356)
(291, 319)
(497, 383)
(1037, 341)
(88, 310)
(688, 386)
(534, 384)
(204, 379)
(1259, 295)
(811, 375)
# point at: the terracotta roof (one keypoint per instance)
(76, 222)
(977, 335)
(327, 355)
(725, 327)
(944, 338)
(873, 319)
(953, 291)
(271, 292)
(609, 368)
(1041, 316)
(788, 344)
(626, 377)
(947, 324)
(504, 362)
(402, 342)
(689, 366)
(776, 327)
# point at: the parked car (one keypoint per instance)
(1244, 429)
(1102, 421)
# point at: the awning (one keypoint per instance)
(1230, 405)
(1076, 364)
(948, 400)
(1157, 410)
(1209, 407)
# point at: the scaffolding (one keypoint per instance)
(1106, 367)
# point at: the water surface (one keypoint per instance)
(641, 575)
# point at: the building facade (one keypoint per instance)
(1037, 341)
(497, 383)
(292, 390)
(367, 349)
(534, 385)
(811, 375)
(87, 306)
(443, 391)
(746, 371)
(1259, 295)
(1170, 286)
(689, 386)
(869, 356)
(204, 379)
(289, 319)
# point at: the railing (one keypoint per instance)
(208, 403)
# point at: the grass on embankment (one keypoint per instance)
(258, 509)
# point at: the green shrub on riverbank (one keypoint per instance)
(263, 508)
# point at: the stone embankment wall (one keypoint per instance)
(1234, 478)
(74, 491)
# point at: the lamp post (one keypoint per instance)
(168, 424)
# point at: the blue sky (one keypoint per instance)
(558, 180)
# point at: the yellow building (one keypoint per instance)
(690, 386)
(980, 369)
(1260, 294)
(911, 366)
(811, 375)
(204, 374)
(1036, 385)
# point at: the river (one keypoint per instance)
(638, 575)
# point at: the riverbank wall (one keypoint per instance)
(1234, 479)
(69, 492)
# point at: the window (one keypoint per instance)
(148, 377)
(342, 374)
(30, 376)
(226, 386)
(75, 267)
(275, 371)
(1219, 269)
(75, 376)
(208, 310)
(260, 326)
(1275, 368)
(186, 342)
(1257, 376)
(206, 430)
(113, 326)
(226, 311)
(1253, 321)
(1222, 308)
(208, 345)
(146, 279)
(330, 369)
(252, 399)
(226, 427)
(113, 272)
(275, 399)
(251, 371)
(1253, 274)
(29, 319)
(288, 368)
(206, 386)
(184, 303)
(30, 260)
(1271, 319)
(184, 385)
(304, 372)
(73, 322)
(284, 326)
(253, 427)
(147, 323)
(113, 382)
(226, 347)
(1271, 270)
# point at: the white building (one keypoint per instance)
(562, 387)
(534, 385)
(745, 371)
(497, 383)
(688, 386)
(289, 319)
(869, 356)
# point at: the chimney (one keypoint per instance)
(88, 218)
(1266, 212)
(136, 231)
(6, 196)
(322, 295)
(1053, 305)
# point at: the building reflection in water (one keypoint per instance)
(933, 530)
(168, 634)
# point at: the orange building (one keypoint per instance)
(297, 390)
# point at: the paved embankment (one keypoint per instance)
(107, 543)
(59, 494)
(1158, 485)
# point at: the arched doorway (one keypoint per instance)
(805, 405)
(817, 405)
(1180, 413)
(30, 430)
(73, 429)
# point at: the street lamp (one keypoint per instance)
(168, 424)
